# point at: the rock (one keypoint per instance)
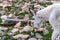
(20, 39)
(26, 18)
(40, 39)
(6, 3)
(45, 32)
(41, 0)
(3, 28)
(40, 29)
(25, 36)
(2, 12)
(37, 8)
(27, 28)
(20, 0)
(14, 30)
(38, 35)
(17, 36)
(12, 16)
(3, 17)
(20, 36)
(32, 39)
(10, 0)
(38, 0)
(25, 8)
(18, 25)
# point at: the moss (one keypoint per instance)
(23, 24)
(0, 35)
(8, 37)
(49, 3)
(48, 36)
(0, 20)
(30, 17)
(43, 4)
(1, 6)
(23, 13)
(17, 33)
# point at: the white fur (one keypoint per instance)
(52, 14)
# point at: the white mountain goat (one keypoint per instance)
(52, 14)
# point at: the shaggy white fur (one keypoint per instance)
(52, 14)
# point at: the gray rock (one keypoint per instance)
(20, 39)
(38, 35)
(20, 0)
(32, 39)
(40, 39)
(45, 32)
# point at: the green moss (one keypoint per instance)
(43, 4)
(23, 13)
(17, 33)
(8, 37)
(1, 7)
(30, 17)
(49, 3)
(23, 24)
(48, 36)
(0, 20)
(0, 35)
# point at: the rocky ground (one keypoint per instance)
(23, 30)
